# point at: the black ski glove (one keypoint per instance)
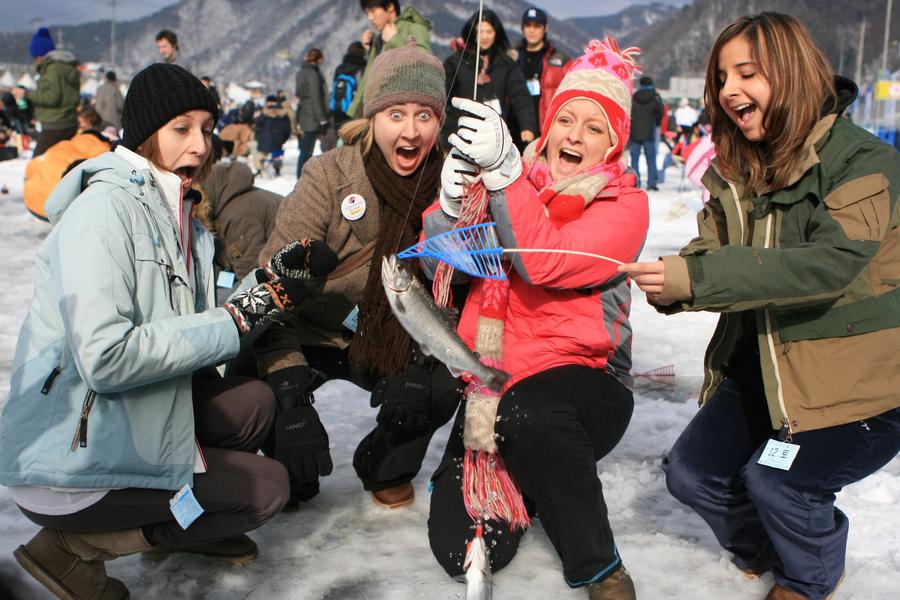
(254, 306)
(405, 400)
(301, 442)
(303, 259)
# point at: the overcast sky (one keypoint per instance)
(19, 15)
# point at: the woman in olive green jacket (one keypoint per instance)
(799, 249)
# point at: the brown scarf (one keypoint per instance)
(380, 345)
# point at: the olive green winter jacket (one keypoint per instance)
(818, 264)
(58, 91)
(409, 23)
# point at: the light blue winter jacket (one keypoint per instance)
(113, 313)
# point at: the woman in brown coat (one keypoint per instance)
(364, 200)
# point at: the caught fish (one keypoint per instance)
(478, 571)
(431, 327)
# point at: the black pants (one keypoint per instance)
(239, 492)
(386, 458)
(766, 515)
(552, 429)
(383, 459)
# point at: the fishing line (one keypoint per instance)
(475, 29)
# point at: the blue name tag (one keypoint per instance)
(351, 319)
(226, 279)
(184, 507)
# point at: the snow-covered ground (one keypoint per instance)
(342, 546)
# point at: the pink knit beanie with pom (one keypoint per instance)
(603, 74)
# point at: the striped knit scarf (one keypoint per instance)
(489, 491)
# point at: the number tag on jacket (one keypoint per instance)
(351, 319)
(226, 279)
(779, 455)
(184, 507)
(534, 86)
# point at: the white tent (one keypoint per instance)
(27, 81)
(7, 81)
(89, 87)
(236, 93)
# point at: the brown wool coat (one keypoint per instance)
(313, 210)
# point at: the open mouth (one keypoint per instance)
(745, 112)
(570, 157)
(186, 174)
(407, 157)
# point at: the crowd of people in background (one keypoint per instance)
(517, 81)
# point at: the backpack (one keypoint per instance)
(342, 90)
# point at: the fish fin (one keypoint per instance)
(398, 306)
(498, 379)
(455, 372)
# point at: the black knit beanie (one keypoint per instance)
(157, 95)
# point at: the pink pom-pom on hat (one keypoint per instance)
(605, 75)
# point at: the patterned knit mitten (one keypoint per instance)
(254, 306)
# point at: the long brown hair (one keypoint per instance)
(801, 82)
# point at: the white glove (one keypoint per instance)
(484, 138)
(456, 174)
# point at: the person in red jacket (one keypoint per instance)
(559, 325)
(541, 63)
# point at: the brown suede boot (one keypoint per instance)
(236, 550)
(617, 586)
(782, 593)
(395, 497)
(71, 564)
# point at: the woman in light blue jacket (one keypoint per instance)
(110, 412)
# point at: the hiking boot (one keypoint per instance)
(70, 565)
(782, 593)
(617, 586)
(395, 497)
(235, 550)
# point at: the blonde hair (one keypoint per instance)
(801, 82)
(359, 131)
(149, 147)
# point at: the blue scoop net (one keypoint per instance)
(474, 250)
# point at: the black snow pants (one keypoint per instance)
(552, 429)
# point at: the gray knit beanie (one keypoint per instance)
(403, 75)
(157, 95)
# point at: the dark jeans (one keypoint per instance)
(649, 148)
(239, 492)
(307, 143)
(49, 137)
(763, 514)
(552, 429)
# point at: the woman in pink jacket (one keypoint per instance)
(558, 325)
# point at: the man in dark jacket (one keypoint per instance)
(57, 94)
(273, 128)
(352, 65)
(312, 109)
(646, 115)
(542, 65)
